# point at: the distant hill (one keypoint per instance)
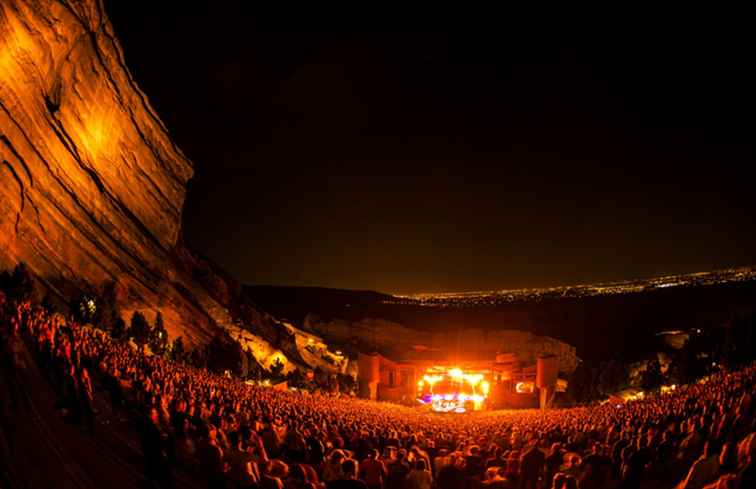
(295, 303)
(599, 325)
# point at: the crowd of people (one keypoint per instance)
(234, 435)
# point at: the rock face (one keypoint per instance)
(91, 185)
(399, 342)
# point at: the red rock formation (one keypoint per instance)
(91, 185)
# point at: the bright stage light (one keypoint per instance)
(473, 379)
(453, 390)
(524, 388)
(432, 379)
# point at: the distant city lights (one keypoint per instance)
(494, 297)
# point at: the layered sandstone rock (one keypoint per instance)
(91, 185)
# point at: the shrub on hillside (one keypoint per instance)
(139, 330)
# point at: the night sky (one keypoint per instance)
(406, 162)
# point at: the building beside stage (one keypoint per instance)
(513, 379)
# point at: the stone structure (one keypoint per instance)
(547, 372)
(513, 382)
(369, 375)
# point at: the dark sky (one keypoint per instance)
(409, 162)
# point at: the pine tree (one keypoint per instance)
(178, 351)
(19, 284)
(118, 328)
(276, 370)
(254, 370)
(106, 313)
(295, 378)
(84, 310)
(224, 353)
(140, 329)
(158, 336)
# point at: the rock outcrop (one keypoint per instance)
(91, 184)
(399, 342)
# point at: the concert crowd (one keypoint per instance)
(229, 434)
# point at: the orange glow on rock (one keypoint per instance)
(98, 134)
(15, 45)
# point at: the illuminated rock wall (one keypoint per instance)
(91, 185)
